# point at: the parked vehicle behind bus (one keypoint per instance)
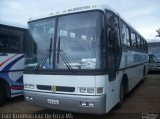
(12, 39)
(153, 63)
(85, 60)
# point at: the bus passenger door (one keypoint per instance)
(113, 46)
(111, 54)
(112, 68)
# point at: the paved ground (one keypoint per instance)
(142, 103)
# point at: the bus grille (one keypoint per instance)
(58, 88)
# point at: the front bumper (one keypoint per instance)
(67, 102)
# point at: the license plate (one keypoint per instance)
(53, 101)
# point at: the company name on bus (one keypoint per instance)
(74, 9)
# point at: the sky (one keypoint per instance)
(143, 15)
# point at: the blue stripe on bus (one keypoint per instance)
(5, 75)
(12, 63)
(20, 80)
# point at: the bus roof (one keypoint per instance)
(75, 10)
(85, 8)
(12, 24)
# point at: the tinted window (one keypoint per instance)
(113, 22)
(3, 42)
(133, 39)
(125, 35)
(138, 42)
(146, 46)
(14, 43)
(142, 45)
(10, 41)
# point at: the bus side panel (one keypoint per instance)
(11, 70)
(132, 64)
(17, 77)
(112, 89)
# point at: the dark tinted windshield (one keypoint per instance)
(11, 41)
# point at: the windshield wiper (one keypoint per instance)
(64, 57)
(45, 56)
(50, 51)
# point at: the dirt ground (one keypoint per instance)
(142, 103)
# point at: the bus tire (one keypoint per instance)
(2, 95)
(121, 94)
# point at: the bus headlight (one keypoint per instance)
(83, 90)
(29, 86)
(90, 90)
(98, 90)
(86, 90)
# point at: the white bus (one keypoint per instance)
(11, 61)
(86, 59)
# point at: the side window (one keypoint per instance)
(125, 35)
(146, 46)
(11, 40)
(133, 40)
(14, 43)
(3, 42)
(138, 42)
(141, 46)
(3, 39)
(113, 22)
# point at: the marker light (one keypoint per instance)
(100, 90)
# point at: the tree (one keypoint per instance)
(158, 31)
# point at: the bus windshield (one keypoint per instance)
(76, 39)
(11, 41)
(42, 32)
